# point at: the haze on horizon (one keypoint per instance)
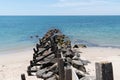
(60, 7)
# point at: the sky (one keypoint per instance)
(59, 7)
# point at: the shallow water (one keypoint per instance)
(15, 31)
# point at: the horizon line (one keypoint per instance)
(66, 15)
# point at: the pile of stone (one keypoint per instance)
(52, 46)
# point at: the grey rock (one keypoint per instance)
(85, 62)
(34, 68)
(68, 52)
(76, 57)
(54, 60)
(39, 73)
(49, 58)
(78, 65)
(69, 59)
(88, 78)
(77, 54)
(47, 75)
(77, 62)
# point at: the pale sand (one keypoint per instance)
(96, 54)
(12, 65)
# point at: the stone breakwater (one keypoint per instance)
(53, 55)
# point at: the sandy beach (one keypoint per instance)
(96, 54)
(12, 65)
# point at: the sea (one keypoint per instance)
(93, 31)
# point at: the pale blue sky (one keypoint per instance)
(59, 7)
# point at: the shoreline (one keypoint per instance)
(13, 65)
(16, 49)
(31, 46)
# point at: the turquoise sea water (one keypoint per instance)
(15, 31)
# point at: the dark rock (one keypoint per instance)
(46, 65)
(53, 68)
(23, 77)
(36, 36)
(69, 53)
(80, 46)
(75, 46)
(80, 75)
(31, 36)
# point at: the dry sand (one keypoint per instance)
(12, 65)
(96, 54)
